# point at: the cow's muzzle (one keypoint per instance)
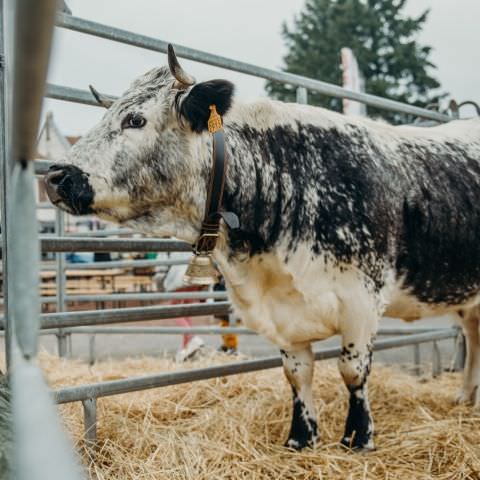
(69, 189)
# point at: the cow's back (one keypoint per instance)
(362, 192)
(438, 248)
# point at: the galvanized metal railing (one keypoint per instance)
(88, 394)
(132, 314)
(123, 36)
(64, 323)
(116, 387)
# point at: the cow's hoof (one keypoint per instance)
(463, 397)
(469, 395)
(300, 444)
(357, 445)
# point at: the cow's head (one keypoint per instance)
(147, 162)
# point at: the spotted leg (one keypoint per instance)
(298, 366)
(354, 365)
(470, 320)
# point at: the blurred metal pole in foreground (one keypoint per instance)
(37, 430)
(5, 175)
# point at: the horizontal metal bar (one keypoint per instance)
(126, 264)
(416, 338)
(62, 244)
(87, 244)
(123, 315)
(140, 297)
(160, 330)
(148, 297)
(149, 43)
(116, 387)
(203, 330)
(103, 233)
(90, 233)
(42, 166)
(75, 95)
(200, 330)
(407, 330)
(42, 332)
(144, 297)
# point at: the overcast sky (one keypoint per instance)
(247, 30)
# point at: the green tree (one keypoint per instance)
(384, 40)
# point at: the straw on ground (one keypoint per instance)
(233, 428)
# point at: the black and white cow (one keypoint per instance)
(342, 220)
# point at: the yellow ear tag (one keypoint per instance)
(215, 120)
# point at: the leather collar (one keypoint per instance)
(209, 232)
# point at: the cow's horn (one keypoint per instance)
(101, 99)
(177, 71)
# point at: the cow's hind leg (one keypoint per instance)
(470, 321)
(298, 366)
(354, 364)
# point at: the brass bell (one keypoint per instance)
(201, 271)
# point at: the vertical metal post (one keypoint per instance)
(454, 110)
(37, 430)
(460, 350)
(90, 421)
(302, 95)
(91, 349)
(61, 281)
(436, 360)
(416, 358)
(70, 346)
(5, 184)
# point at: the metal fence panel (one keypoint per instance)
(116, 387)
(134, 314)
(71, 244)
(122, 315)
(134, 39)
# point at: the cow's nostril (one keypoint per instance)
(52, 180)
(56, 166)
(67, 186)
(55, 177)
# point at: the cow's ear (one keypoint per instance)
(194, 108)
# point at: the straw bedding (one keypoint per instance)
(234, 428)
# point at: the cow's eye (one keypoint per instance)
(133, 120)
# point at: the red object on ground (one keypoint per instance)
(185, 321)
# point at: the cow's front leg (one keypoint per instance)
(469, 320)
(298, 366)
(354, 364)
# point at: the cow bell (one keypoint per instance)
(201, 270)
